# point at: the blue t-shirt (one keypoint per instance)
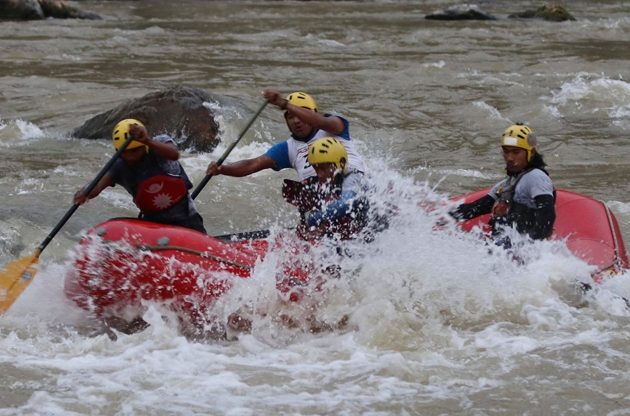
(352, 197)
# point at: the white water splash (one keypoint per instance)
(19, 133)
(595, 94)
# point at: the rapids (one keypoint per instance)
(436, 324)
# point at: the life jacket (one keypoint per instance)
(303, 195)
(507, 212)
(160, 192)
(309, 195)
(157, 184)
(349, 226)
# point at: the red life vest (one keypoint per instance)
(160, 192)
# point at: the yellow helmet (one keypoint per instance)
(521, 136)
(121, 133)
(328, 150)
(302, 99)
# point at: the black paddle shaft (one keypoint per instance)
(87, 191)
(225, 154)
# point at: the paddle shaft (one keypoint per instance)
(225, 154)
(87, 191)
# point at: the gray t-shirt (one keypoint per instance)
(532, 184)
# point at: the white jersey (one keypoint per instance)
(293, 153)
(298, 152)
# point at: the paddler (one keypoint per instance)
(306, 125)
(149, 170)
(332, 203)
(525, 199)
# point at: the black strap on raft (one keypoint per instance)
(247, 235)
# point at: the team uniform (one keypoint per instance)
(528, 212)
(525, 199)
(527, 187)
(159, 188)
(347, 201)
(293, 153)
(530, 197)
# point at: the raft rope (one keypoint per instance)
(204, 254)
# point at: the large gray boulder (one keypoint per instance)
(21, 10)
(41, 9)
(178, 111)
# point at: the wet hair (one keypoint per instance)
(538, 162)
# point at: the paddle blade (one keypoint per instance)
(16, 277)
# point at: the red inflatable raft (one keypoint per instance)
(589, 227)
(124, 261)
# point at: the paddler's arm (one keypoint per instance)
(242, 167)
(167, 151)
(330, 124)
(80, 197)
(544, 217)
(474, 209)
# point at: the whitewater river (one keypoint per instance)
(437, 325)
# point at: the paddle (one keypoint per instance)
(18, 274)
(225, 154)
